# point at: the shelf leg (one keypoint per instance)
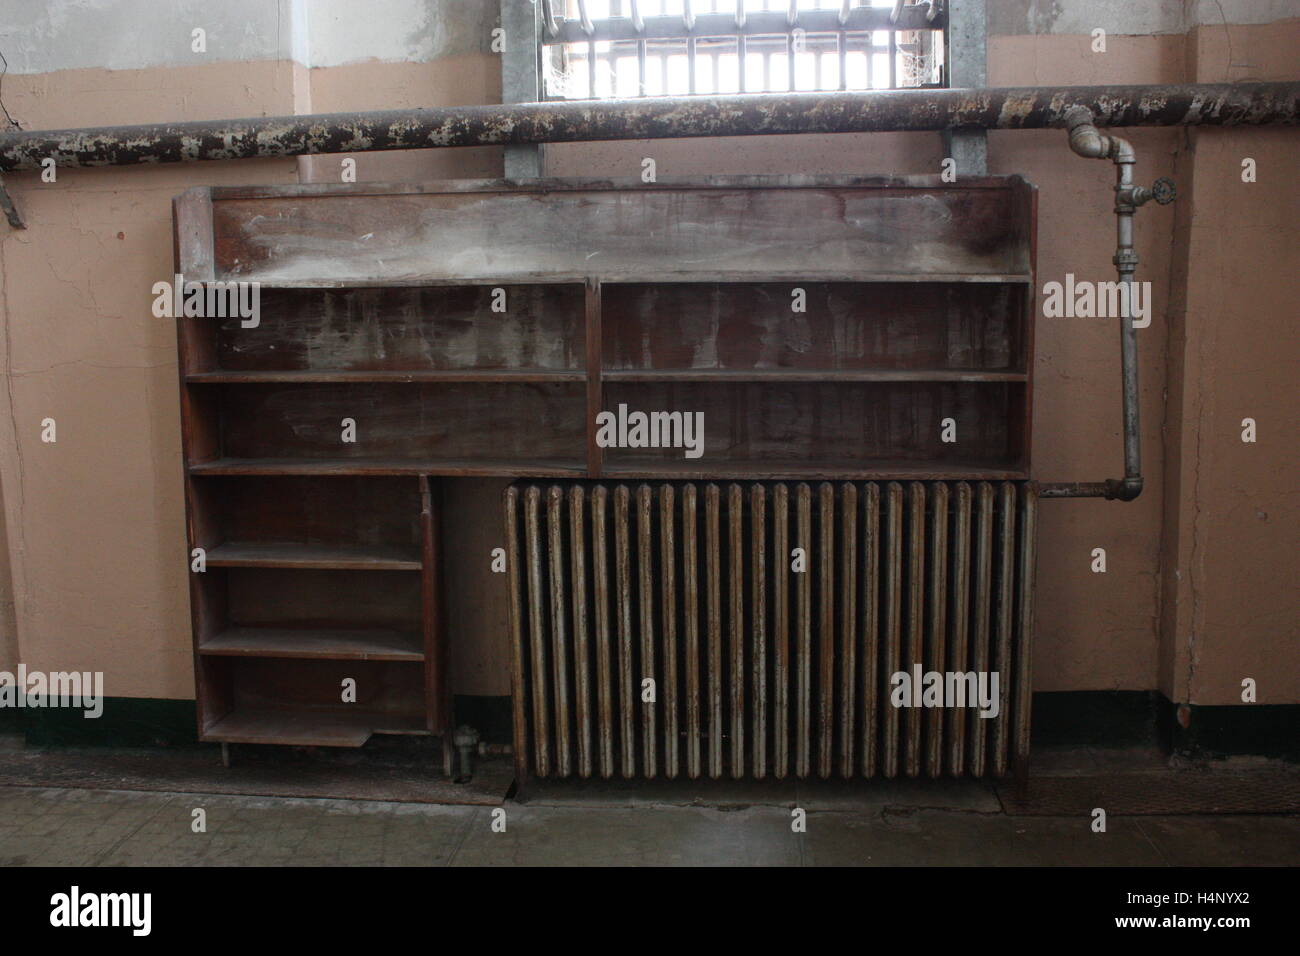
(225, 755)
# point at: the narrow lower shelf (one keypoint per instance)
(722, 471)
(388, 466)
(257, 554)
(386, 376)
(315, 644)
(308, 728)
(809, 375)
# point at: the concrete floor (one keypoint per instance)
(88, 827)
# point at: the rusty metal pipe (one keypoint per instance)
(652, 118)
(1090, 142)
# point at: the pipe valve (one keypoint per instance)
(1162, 191)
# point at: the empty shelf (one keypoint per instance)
(308, 728)
(385, 376)
(338, 645)
(809, 375)
(256, 554)
(387, 466)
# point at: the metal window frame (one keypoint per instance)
(744, 30)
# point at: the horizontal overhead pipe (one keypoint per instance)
(652, 118)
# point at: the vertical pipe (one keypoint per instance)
(691, 623)
(1005, 577)
(668, 626)
(581, 641)
(1125, 262)
(983, 613)
(559, 628)
(646, 613)
(758, 591)
(915, 625)
(627, 689)
(848, 638)
(736, 626)
(870, 617)
(537, 630)
(803, 633)
(959, 615)
(937, 626)
(781, 673)
(713, 595)
(892, 627)
(604, 633)
(825, 629)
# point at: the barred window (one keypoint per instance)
(598, 49)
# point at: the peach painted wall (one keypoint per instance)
(1198, 586)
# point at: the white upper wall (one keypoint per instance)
(1129, 17)
(41, 36)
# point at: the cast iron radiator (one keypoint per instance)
(672, 629)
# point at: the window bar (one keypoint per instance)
(893, 59)
(789, 46)
(589, 29)
(638, 24)
(740, 44)
(842, 41)
(688, 20)
(548, 14)
(792, 18)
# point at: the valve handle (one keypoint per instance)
(1163, 191)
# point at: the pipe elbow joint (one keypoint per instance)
(1086, 140)
(1123, 489)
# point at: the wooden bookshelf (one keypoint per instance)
(474, 331)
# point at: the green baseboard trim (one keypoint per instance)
(1109, 718)
(154, 722)
(1095, 718)
(1060, 718)
(1261, 730)
(125, 722)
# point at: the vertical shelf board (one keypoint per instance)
(438, 715)
(1027, 196)
(595, 363)
(193, 255)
